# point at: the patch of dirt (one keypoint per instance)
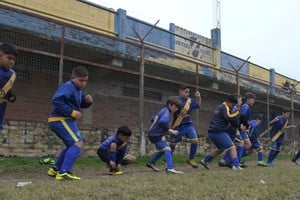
(94, 173)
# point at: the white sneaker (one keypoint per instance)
(237, 168)
(174, 171)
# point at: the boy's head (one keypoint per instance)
(173, 103)
(286, 113)
(258, 119)
(250, 98)
(8, 55)
(80, 77)
(124, 133)
(184, 91)
(232, 100)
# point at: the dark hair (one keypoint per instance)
(249, 95)
(232, 98)
(80, 71)
(286, 110)
(124, 130)
(259, 117)
(173, 100)
(9, 49)
(183, 87)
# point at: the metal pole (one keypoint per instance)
(61, 59)
(268, 105)
(141, 100)
(237, 76)
(141, 90)
(197, 88)
(238, 83)
(293, 91)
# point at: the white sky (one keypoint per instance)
(266, 30)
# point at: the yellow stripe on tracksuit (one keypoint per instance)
(67, 127)
(228, 111)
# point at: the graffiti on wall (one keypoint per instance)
(194, 46)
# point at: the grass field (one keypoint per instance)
(139, 182)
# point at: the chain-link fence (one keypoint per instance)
(47, 59)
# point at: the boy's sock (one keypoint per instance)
(271, 156)
(227, 157)
(275, 155)
(173, 147)
(244, 151)
(156, 156)
(193, 151)
(239, 151)
(60, 159)
(260, 156)
(71, 156)
(208, 158)
(2, 111)
(168, 157)
(235, 161)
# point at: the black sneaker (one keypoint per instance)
(152, 166)
(295, 161)
(204, 164)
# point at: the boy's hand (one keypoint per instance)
(88, 99)
(12, 98)
(173, 132)
(78, 115)
(197, 94)
(112, 164)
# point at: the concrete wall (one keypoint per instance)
(68, 11)
(26, 139)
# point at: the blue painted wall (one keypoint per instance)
(234, 61)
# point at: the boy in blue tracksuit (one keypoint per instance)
(254, 138)
(232, 131)
(8, 56)
(183, 123)
(279, 125)
(244, 143)
(218, 132)
(112, 150)
(66, 104)
(158, 130)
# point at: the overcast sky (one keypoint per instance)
(266, 30)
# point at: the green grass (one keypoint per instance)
(138, 182)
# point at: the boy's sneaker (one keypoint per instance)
(261, 163)
(223, 163)
(204, 164)
(295, 161)
(270, 164)
(174, 171)
(66, 176)
(116, 173)
(47, 160)
(243, 165)
(237, 168)
(52, 172)
(192, 163)
(152, 166)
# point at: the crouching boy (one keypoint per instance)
(112, 151)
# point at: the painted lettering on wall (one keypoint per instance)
(195, 45)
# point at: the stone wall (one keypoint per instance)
(35, 140)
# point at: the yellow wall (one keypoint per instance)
(259, 72)
(68, 11)
(280, 79)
